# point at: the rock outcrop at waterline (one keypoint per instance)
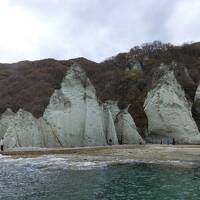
(126, 129)
(169, 112)
(74, 111)
(109, 126)
(73, 118)
(24, 130)
(126, 78)
(5, 121)
(196, 107)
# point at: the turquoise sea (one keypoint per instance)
(58, 178)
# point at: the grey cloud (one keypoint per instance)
(97, 29)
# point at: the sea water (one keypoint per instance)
(60, 178)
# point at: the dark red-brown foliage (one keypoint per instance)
(29, 85)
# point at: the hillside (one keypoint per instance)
(126, 77)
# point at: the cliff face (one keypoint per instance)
(196, 107)
(126, 129)
(74, 111)
(81, 103)
(6, 119)
(169, 112)
(73, 118)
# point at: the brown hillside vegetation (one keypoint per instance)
(29, 85)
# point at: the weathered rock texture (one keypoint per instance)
(197, 95)
(73, 118)
(169, 112)
(35, 81)
(74, 111)
(5, 120)
(126, 129)
(196, 107)
(109, 126)
(127, 78)
(24, 130)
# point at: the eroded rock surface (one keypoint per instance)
(197, 95)
(74, 111)
(73, 118)
(126, 129)
(196, 107)
(5, 120)
(169, 112)
(109, 126)
(23, 131)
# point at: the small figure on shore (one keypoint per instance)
(169, 140)
(110, 141)
(173, 142)
(1, 144)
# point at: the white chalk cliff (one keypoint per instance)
(196, 107)
(74, 111)
(169, 112)
(5, 120)
(24, 130)
(197, 95)
(73, 118)
(126, 129)
(108, 125)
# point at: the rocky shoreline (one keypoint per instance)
(76, 118)
(73, 118)
(84, 104)
(175, 155)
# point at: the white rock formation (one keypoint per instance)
(113, 107)
(196, 107)
(169, 112)
(134, 65)
(5, 119)
(124, 124)
(73, 118)
(24, 130)
(49, 135)
(197, 95)
(109, 126)
(75, 113)
(126, 129)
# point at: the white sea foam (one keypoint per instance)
(53, 162)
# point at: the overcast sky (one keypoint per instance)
(95, 29)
